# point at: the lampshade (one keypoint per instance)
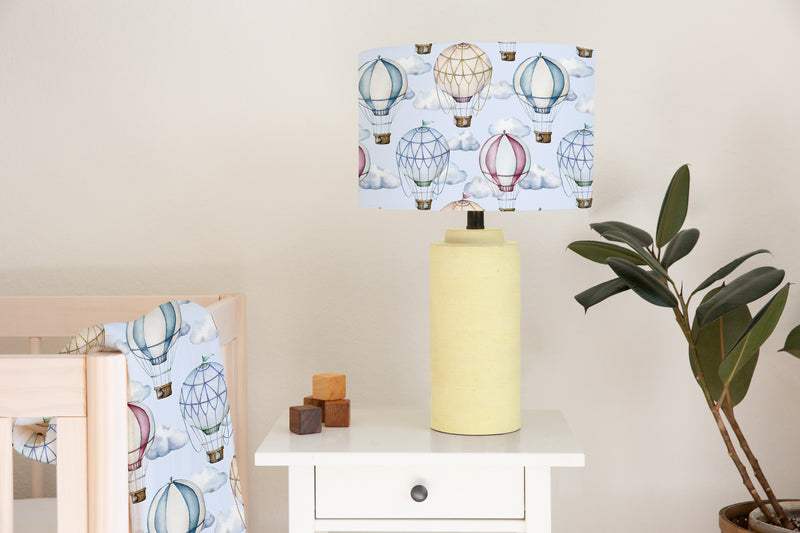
(479, 126)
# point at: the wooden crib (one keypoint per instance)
(88, 394)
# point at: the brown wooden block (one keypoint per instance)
(310, 400)
(305, 419)
(337, 414)
(329, 386)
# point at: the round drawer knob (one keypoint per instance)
(419, 493)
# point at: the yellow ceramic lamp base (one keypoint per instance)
(475, 333)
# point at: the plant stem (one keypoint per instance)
(759, 473)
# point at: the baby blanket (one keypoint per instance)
(182, 465)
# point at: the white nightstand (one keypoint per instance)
(390, 472)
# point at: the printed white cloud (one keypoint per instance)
(512, 125)
(414, 65)
(427, 100)
(203, 331)
(209, 479)
(571, 96)
(184, 328)
(540, 178)
(209, 520)
(120, 345)
(464, 141)
(167, 439)
(576, 67)
(379, 178)
(363, 133)
(584, 104)
(501, 91)
(410, 94)
(138, 392)
(455, 174)
(479, 187)
(229, 522)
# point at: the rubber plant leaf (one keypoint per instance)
(598, 293)
(648, 258)
(643, 283)
(599, 252)
(674, 207)
(792, 344)
(639, 234)
(757, 332)
(727, 269)
(741, 291)
(713, 342)
(679, 247)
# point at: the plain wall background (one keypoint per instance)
(199, 146)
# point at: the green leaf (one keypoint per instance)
(599, 251)
(639, 234)
(727, 269)
(713, 342)
(680, 246)
(648, 258)
(598, 293)
(741, 291)
(643, 283)
(792, 344)
(674, 207)
(759, 330)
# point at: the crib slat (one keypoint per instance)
(72, 483)
(52, 385)
(37, 468)
(6, 478)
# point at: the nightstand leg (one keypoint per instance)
(537, 499)
(301, 499)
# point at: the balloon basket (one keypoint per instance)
(382, 138)
(584, 52)
(506, 209)
(423, 49)
(424, 205)
(164, 391)
(543, 137)
(216, 456)
(584, 203)
(139, 496)
(508, 56)
(463, 122)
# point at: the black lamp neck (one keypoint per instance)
(475, 220)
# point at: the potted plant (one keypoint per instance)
(722, 335)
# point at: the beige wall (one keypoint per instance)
(199, 146)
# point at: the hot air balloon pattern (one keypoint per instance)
(382, 85)
(504, 160)
(150, 339)
(236, 487)
(204, 407)
(177, 507)
(508, 50)
(463, 74)
(91, 338)
(141, 432)
(363, 162)
(38, 440)
(541, 84)
(422, 159)
(465, 204)
(423, 48)
(575, 156)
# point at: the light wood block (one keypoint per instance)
(329, 386)
(305, 419)
(337, 414)
(310, 400)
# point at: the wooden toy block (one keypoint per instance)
(310, 400)
(305, 419)
(337, 414)
(329, 386)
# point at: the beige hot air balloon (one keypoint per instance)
(463, 74)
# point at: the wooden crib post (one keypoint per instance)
(6, 477)
(37, 468)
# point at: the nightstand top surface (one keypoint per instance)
(381, 437)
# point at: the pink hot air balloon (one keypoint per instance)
(141, 432)
(363, 162)
(505, 160)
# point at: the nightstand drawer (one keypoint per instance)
(423, 492)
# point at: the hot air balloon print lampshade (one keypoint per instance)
(475, 127)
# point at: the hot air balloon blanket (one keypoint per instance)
(182, 468)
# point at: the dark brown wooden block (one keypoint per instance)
(310, 400)
(305, 419)
(337, 413)
(329, 386)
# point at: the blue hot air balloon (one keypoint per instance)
(40, 444)
(178, 507)
(541, 84)
(422, 158)
(382, 85)
(205, 410)
(575, 157)
(150, 339)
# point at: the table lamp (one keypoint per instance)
(473, 127)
